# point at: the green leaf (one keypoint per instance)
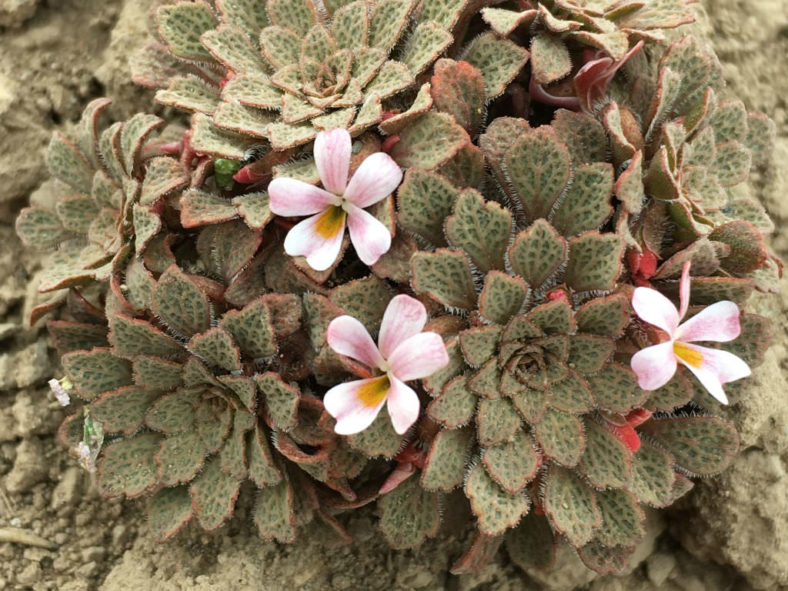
(199, 208)
(377, 440)
(458, 89)
(606, 316)
(244, 387)
(262, 469)
(584, 137)
(251, 329)
(615, 388)
(253, 90)
(481, 229)
(182, 25)
(173, 413)
(537, 253)
(444, 468)
(216, 348)
(456, 404)
(531, 544)
(479, 344)
(213, 495)
(190, 94)
(76, 213)
(95, 372)
(430, 141)
(538, 167)
(571, 506)
(425, 44)
(622, 518)
(701, 445)
(653, 476)
(155, 373)
(228, 248)
(586, 204)
(594, 261)
(495, 509)
(572, 394)
(748, 251)
(127, 467)
(550, 58)
(297, 15)
(162, 177)
(445, 13)
(350, 25)
(588, 353)
(561, 436)
(388, 22)
(40, 227)
(434, 383)
(496, 421)
(179, 458)
(676, 393)
(502, 297)
(363, 299)
(213, 422)
(74, 336)
(234, 117)
(512, 464)
(408, 515)
(499, 60)
(445, 276)
(273, 515)
(130, 337)
(233, 48)
(254, 209)
(552, 318)
(208, 139)
(425, 200)
(606, 461)
(123, 410)
(281, 400)
(168, 511)
(180, 303)
(66, 162)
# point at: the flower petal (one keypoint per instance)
(654, 366)
(419, 356)
(404, 317)
(356, 404)
(684, 289)
(332, 158)
(290, 197)
(347, 336)
(403, 405)
(374, 180)
(656, 309)
(369, 236)
(318, 238)
(718, 322)
(712, 367)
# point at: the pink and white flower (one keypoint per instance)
(719, 322)
(403, 353)
(339, 203)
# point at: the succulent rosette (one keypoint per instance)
(523, 230)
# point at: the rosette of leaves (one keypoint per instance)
(282, 70)
(557, 28)
(205, 379)
(111, 183)
(529, 405)
(690, 158)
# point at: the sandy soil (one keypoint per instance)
(729, 534)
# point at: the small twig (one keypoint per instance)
(25, 537)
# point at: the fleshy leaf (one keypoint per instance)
(429, 142)
(180, 303)
(499, 60)
(653, 476)
(127, 467)
(496, 421)
(445, 466)
(130, 337)
(213, 495)
(425, 200)
(169, 510)
(537, 253)
(95, 372)
(281, 400)
(445, 276)
(512, 464)
(594, 261)
(481, 229)
(179, 458)
(408, 515)
(216, 348)
(273, 515)
(606, 461)
(561, 436)
(571, 506)
(495, 509)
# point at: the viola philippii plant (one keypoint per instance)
(478, 215)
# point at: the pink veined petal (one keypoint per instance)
(345, 403)
(715, 368)
(404, 317)
(654, 366)
(374, 180)
(332, 158)
(656, 309)
(292, 198)
(320, 251)
(418, 357)
(347, 336)
(718, 322)
(369, 236)
(684, 289)
(403, 405)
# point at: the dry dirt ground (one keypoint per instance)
(730, 533)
